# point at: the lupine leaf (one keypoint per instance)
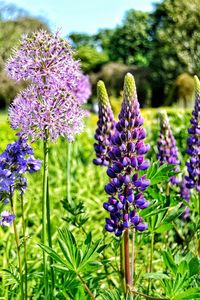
(169, 262)
(160, 174)
(190, 294)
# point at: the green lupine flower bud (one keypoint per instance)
(102, 94)
(105, 127)
(130, 87)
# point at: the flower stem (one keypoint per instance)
(44, 211)
(68, 172)
(198, 240)
(86, 287)
(18, 248)
(127, 261)
(133, 259)
(49, 238)
(25, 248)
(122, 265)
(151, 259)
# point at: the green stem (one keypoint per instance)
(198, 240)
(68, 172)
(49, 238)
(127, 261)
(151, 259)
(18, 248)
(44, 210)
(86, 287)
(133, 260)
(151, 255)
(25, 248)
(122, 279)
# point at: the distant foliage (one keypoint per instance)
(175, 43)
(10, 32)
(183, 91)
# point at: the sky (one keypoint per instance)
(82, 15)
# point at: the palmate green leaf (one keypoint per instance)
(55, 256)
(110, 295)
(156, 276)
(158, 174)
(91, 254)
(76, 259)
(164, 227)
(194, 266)
(190, 294)
(174, 213)
(169, 261)
(69, 248)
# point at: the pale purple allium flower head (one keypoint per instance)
(193, 165)
(83, 90)
(167, 150)
(52, 104)
(127, 156)
(36, 109)
(6, 218)
(44, 58)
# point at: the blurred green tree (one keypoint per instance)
(130, 43)
(175, 38)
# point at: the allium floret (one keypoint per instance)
(36, 110)
(52, 104)
(193, 142)
(126, 186)
(167, 150)
(44, 58)
(105, 128)
(83, 90)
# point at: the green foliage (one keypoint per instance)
(129, 43)
(181, 278)
(91, 58)
(183, 91)
(101, 271)
(178, 21)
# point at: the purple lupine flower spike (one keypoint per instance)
(193, 142)
(167, 150)
(126, 186)
(6, 218)
(16, 160)
(106, 126)
(185, 194)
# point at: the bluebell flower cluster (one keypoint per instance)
(167, 150)
(105, 127)
(193, 165)
(17, 159)
(127, 157)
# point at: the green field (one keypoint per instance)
(87, 187)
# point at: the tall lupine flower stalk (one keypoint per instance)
(167, 150)
(185, 194)
(49, 107)
(193, 142)
(126, 187)
(106, 127)
(15, 161)
(193, 165)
